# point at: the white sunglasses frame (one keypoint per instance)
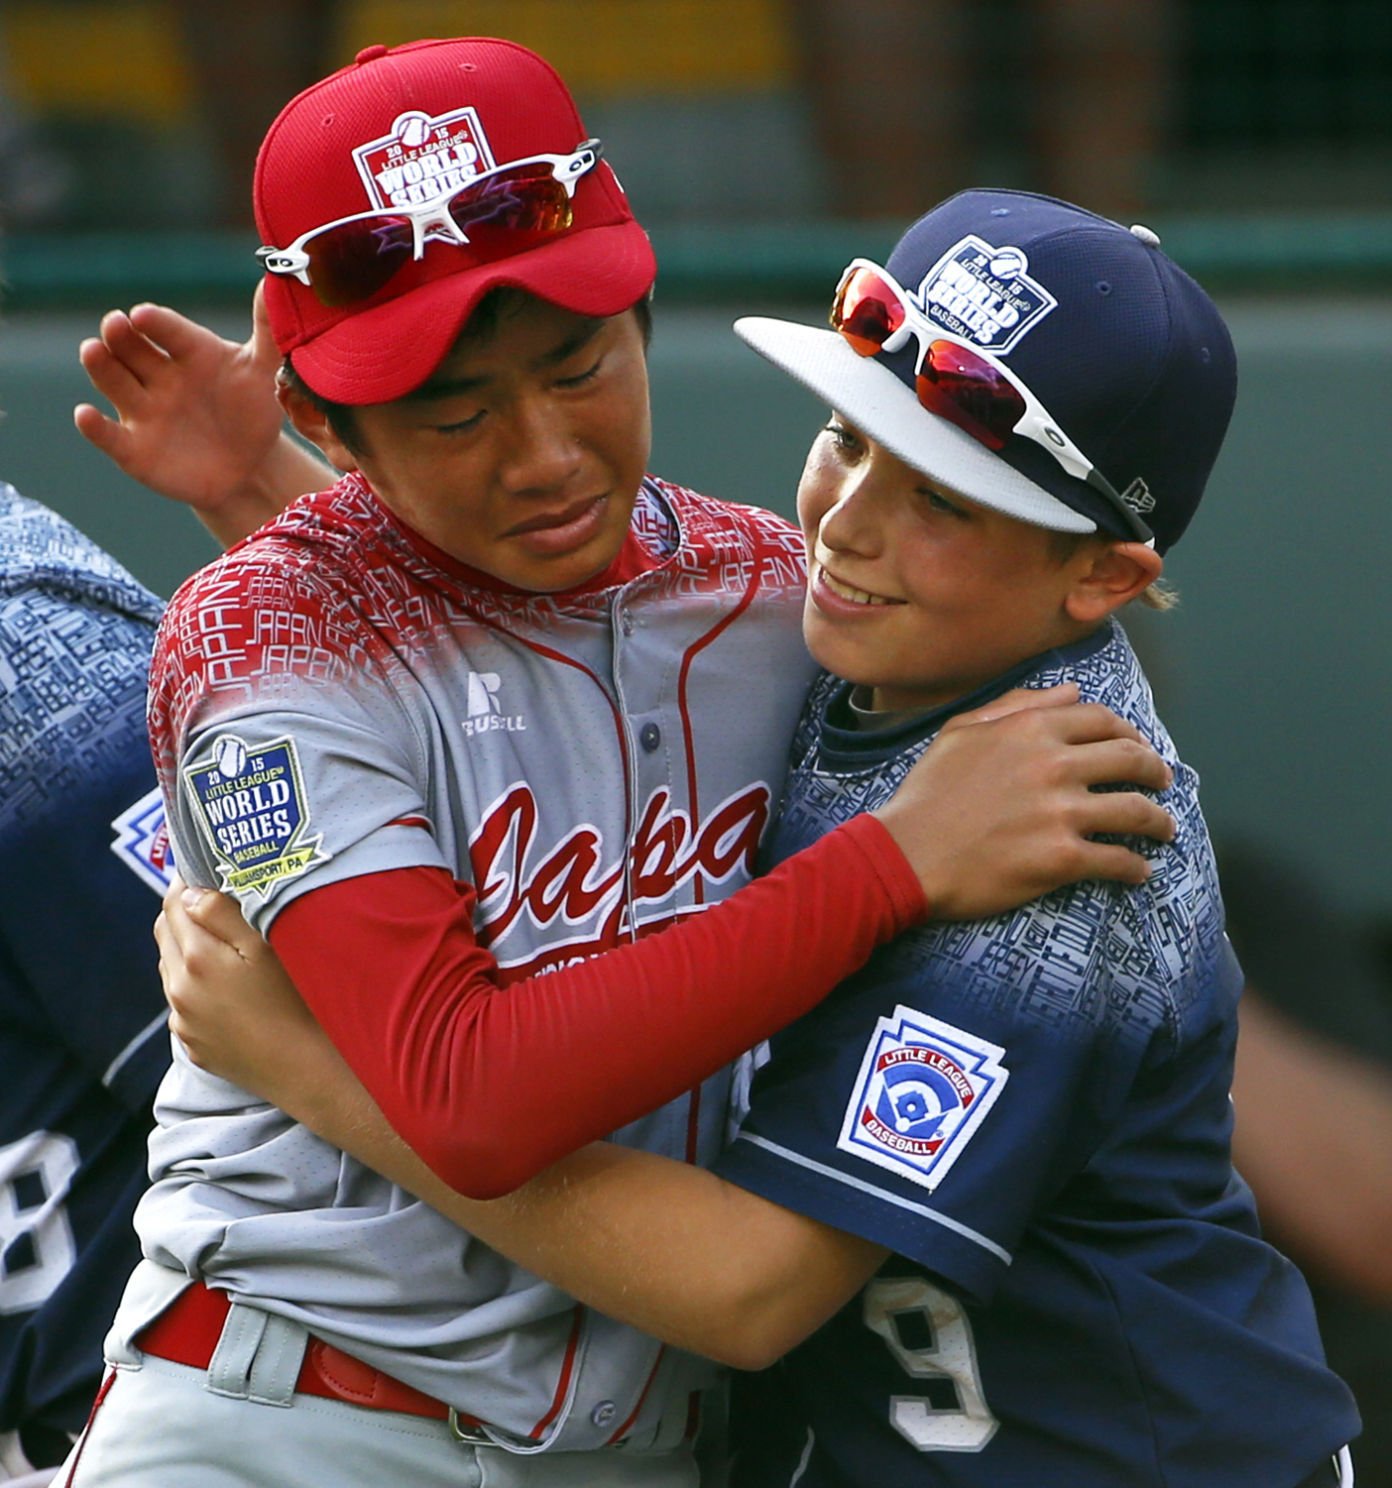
(1043, 428)
(431, 216)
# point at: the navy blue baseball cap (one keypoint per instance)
(1130, 366)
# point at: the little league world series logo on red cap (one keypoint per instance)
(422, 159)
(923, 1090)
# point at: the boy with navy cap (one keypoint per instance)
(1009, 294)
(1026, 1118)
(980, 1208)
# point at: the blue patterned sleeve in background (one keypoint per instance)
(82, 1037)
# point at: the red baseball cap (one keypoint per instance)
(397, 125)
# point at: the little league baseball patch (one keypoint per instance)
(252, 807)
(142, 843)
(923, 1090)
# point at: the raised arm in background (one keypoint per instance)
(197, 417)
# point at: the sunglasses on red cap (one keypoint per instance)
(494, 214)
(961, 382)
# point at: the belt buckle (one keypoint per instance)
(473, 1435)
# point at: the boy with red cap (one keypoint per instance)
(449, 729)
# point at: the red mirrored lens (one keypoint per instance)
(958, 385)
(352, 262)
(867, 311)
(502, 214)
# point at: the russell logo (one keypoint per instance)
(485, 713)
(923, 1090)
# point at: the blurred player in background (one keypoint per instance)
(459, 723)
(83, 1043)
(1312, 1096)
(981, 1208)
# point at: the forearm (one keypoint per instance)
(1321, 1167)
(390, 966)
(676, 1252)
(289, 471)
(670, 1249)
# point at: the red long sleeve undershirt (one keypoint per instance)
(490, 1083)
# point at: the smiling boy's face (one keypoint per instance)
(919, 593)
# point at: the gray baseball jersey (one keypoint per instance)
(332, 700)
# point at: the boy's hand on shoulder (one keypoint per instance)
(1001, 809)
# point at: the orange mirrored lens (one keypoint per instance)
(527, 199)
(867, 311)
(511, 211)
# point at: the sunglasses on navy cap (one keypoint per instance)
(961, 382)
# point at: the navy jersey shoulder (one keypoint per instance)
(1031, 1112)
(82, 1041)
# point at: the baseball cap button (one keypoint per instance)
(371, 53)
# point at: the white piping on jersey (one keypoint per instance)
(863, 1187)
(123, 1058)
(1344, 1461)
(806, 1457)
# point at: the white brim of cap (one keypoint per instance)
(879, 405)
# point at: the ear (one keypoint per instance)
(312, 423)
(1110, 577)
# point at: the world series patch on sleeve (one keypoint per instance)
(252, 807)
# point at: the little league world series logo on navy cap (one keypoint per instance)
(983, 294)
(923, 1090)
(251, 806)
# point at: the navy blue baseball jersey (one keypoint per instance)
(82, 1037)
(1032, 1112)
